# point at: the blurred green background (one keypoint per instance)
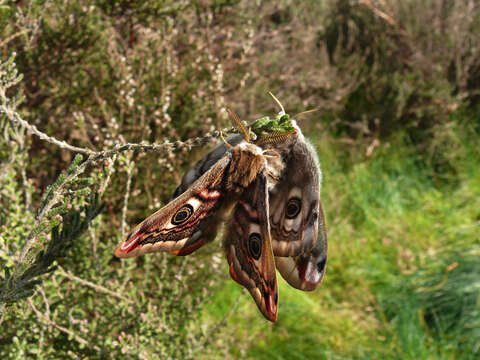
(397, 85)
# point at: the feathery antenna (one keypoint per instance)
(305, 112)
(275, 137)
(278, 102)
(239, 125)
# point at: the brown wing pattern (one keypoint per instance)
(210, 230)
(248, 247)
(306, 271)
(294, 203)
(178, 227)
(286, 222)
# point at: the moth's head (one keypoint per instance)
(279, 132)
(276, 131)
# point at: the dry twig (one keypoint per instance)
(49, 322)
(99, 288)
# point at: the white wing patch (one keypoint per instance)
(195, 203)
(311, 274)
(253, 228)
(295, 192)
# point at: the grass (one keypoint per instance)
(404, 254)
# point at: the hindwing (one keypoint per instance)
(249, 250)
(306, 271)
(295, 201)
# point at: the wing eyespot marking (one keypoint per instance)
(321, 265)
(255, 245)
(294, 205)
(182, 214)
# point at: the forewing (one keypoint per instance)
(204, 164)
(249, 250)
(180, 226)
(294, 202)
(210, 231)
(306, 271)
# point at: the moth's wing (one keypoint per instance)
(249, 250)
(306, 271)
(178, 226)
(204, 164)
(294, 202)
(209, 232)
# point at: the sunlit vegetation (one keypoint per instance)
(104, 105)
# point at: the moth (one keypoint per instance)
(261, 188)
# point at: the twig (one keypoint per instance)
(222, 322)
(49, 322)
(14, 36)
(101, 155)
(95, 156)
(99, 288)
(109, 171)
(15, 118)
(381, 14)
(45, 300)
(127, 195)
(3, 311)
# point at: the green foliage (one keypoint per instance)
(438, 305)
(20, 286)
(397, 88)
(407, 71)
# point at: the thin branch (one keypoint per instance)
(3, 312)
(379, 12)
(99, 288)
(14, 36)
(383, 15)
(127, 195)
(109, 171)
(166, 146)
(45, 300)
(49, 322)
(15, 118)
(222, 322)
